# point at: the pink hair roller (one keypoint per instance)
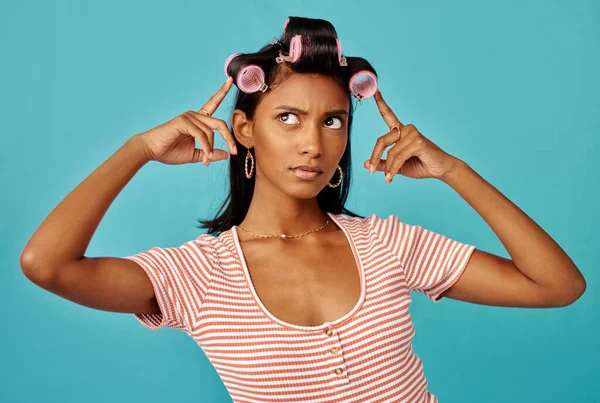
(251, 79)
(229, 59)
(363, 84)
(341, 58)
(295, 48)
(285, 24)
(294, 53)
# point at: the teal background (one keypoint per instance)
(510, 87)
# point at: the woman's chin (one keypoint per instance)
(304, 190)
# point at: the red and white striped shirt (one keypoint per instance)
(204, 288)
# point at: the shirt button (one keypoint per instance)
(328, 332)
(334, 350)
(339, 371)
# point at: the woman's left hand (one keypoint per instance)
(412, 155)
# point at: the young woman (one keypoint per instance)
(289, 299)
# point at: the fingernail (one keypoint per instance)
(371, 168)
(234, 149)
(388, 178)
(210, 156)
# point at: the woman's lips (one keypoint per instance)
(307, 175)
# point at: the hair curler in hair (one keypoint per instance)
(341, 58)
(294, 53)
(251, 78)
(363, 84)
(285, 24)
(229, 59)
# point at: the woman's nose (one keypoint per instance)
(311, 142)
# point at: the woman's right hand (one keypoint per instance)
(173, 142)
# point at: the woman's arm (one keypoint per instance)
(54, 256)
(64, 235)
(540, 273)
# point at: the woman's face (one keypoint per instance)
(302, 121)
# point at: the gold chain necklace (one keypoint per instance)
(284, 236)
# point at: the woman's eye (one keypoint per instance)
(333, 119)
(288, 118)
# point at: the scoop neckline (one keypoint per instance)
(349, 315)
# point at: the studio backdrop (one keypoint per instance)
(511, 88)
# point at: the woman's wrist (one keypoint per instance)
(137, 144)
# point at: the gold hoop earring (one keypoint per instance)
(340, 181)
(249, 155)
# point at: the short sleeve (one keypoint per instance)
(432, 262)
(180, 277)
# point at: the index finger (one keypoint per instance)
(386, 112)
(213, 103)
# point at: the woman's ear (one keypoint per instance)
(242, 128)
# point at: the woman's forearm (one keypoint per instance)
(532, 250)
(66, 233)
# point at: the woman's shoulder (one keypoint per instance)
(218, 245)
(368, 220)
(207, 238)
(384, 226)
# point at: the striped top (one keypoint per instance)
(203, 288)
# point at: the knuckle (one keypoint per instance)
(223, 125)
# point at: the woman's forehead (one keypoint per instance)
(305, 90)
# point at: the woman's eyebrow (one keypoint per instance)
(303, 112)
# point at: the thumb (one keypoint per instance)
(380, 165)
(198, 155)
